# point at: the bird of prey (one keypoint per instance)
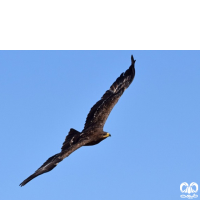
(93, 130)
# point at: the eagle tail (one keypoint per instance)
(46, 167)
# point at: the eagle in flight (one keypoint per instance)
(93, 130)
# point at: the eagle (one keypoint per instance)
(92, 132)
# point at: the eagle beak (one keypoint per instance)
(107, 135)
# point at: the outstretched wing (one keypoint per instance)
(46, 167)
(72, 142)
(101, 110)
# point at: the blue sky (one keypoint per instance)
(155, 125)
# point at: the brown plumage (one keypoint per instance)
(93, 130)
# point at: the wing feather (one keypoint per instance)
(101, 110)
(67, 148)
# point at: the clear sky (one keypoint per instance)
(155, 125)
